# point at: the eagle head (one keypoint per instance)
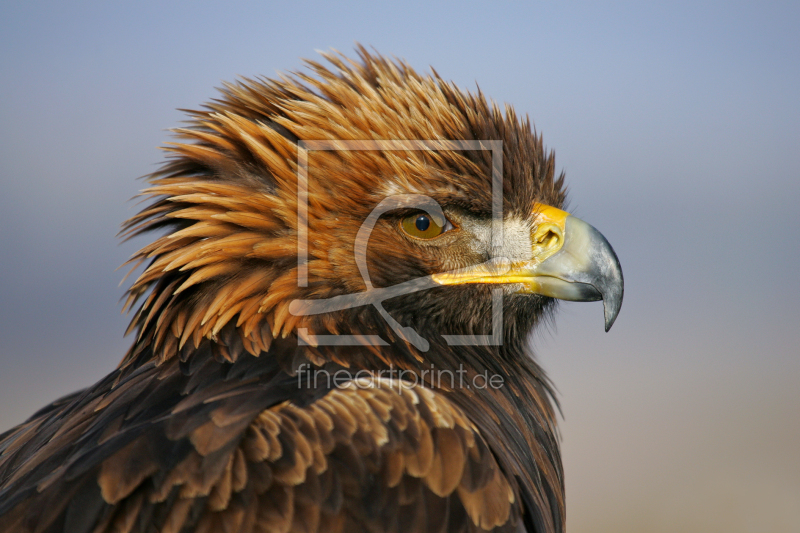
(357, 206)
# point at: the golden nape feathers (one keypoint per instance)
(331, 329)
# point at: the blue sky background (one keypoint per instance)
(678, 126)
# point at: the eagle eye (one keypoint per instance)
(423, 226)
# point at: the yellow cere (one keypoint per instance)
(548, 214)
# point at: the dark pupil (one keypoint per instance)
(422, 223)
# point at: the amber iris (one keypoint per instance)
(421, 226)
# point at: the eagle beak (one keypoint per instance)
(573, 261)
(570, 260)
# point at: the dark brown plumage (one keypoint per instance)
(212, 422)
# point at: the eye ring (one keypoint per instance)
(423, 226)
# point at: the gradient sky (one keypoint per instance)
(678, 127)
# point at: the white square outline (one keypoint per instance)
(303, 147)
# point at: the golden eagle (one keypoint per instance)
(332, 324)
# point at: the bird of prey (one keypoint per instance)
(331, 324)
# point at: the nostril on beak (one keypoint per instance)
(547, 239)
